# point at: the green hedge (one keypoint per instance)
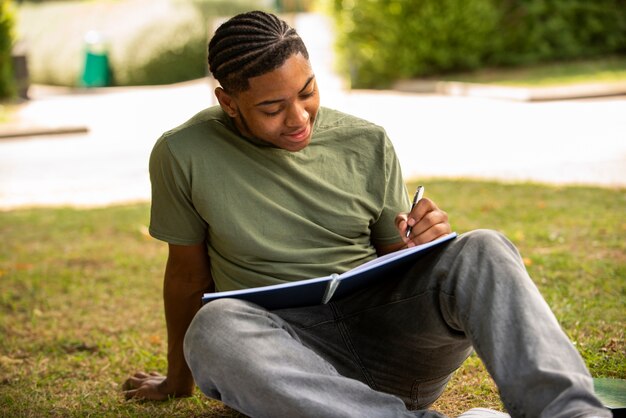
(384, 40)
(147, 41)
(164, 50)
(543, 30)
(7, 81)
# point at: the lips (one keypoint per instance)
(300, 134)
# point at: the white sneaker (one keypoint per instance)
(483, 413)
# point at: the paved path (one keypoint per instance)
(580, 141)
(564, 142)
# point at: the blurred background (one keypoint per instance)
(378, 42)
(499, 89)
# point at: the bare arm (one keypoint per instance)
(187, 277)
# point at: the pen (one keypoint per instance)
(419, 193)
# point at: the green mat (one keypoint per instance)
(612, 393)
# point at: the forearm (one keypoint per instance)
(182, 293)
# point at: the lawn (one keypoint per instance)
(609, 69)
(80, 306)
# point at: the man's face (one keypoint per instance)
(279, 107)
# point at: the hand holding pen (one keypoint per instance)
(425, 221)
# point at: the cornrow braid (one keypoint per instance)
(249, 45)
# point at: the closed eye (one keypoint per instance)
(270, 112)
(302, 96)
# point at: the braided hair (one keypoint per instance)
(249, 45)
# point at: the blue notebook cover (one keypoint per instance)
(322, 289)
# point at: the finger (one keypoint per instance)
(127, 385)
(145, 394)
(135, 382)
(400, 218)
(402, 229)
(427, 221)
(156, 374)
(401, 225)
(424, 206)
(131, 394)
(432, 233)
(420, 210)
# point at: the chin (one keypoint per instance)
(296, 147)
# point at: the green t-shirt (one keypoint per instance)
(269, 215)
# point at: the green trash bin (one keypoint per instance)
(96, 62)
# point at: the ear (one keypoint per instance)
(227, 102)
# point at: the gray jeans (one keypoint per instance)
(389, 350)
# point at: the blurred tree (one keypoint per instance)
(7, 80)
(543, 30)
(383, 40)
(292, 6)
(147, 41)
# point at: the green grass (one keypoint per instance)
(608, 69)
(80, 306)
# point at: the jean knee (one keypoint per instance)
(490, 243)
(212, 327)
(485, 237)
(501, 265)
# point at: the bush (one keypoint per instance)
(388, 39)
(384, 40)
(542, 30)
(148, 41)
(168, 49)
(7, 81)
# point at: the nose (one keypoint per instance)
(297, 116)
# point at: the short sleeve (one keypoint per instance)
(395, 200)
(173, 217)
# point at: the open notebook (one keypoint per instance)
(322, 289)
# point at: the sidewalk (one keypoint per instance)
(563, 142)
(108, 163)
(435, 135)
